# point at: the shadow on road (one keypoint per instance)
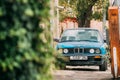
(82, 68)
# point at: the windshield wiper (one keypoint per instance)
(88, 40)
(79, 40)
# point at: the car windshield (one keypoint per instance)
(90, 35)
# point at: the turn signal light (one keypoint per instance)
(97, 57)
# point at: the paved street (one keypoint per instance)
(83, 73)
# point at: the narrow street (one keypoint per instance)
(83, 73)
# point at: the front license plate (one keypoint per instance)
(78, 58)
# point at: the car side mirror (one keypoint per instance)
(56, 40)
(104, 41)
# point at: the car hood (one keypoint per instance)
(79, 44)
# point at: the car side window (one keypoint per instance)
(64, 38)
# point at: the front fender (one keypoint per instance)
(103, 50)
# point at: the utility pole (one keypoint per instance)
(57, 18)
(114, 40)
(52, 22)
(104, 20)
(114, 30)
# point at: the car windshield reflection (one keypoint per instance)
(81, 35)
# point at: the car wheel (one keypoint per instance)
(103, 67)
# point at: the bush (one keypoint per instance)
(25, 51)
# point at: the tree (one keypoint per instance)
(70, 9)
(84, 8)
(90, 9)
(25, 52)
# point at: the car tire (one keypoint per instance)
(103, 67)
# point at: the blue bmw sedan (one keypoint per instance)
(83, 46)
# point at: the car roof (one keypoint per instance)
(83, 28)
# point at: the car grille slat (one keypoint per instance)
(81, 50)
(78, 50)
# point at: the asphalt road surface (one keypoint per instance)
(83, 73)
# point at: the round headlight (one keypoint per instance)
(92, 50)
(65, 50)
(97, 50)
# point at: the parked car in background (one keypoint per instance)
(83, 46)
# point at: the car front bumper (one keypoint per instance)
(91, 61)
(84, 63)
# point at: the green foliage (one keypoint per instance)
(90, 9)
(84, 10)
(100, 8)
(60, 63)
(69, 10)
(97, 16)
(25, 49)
